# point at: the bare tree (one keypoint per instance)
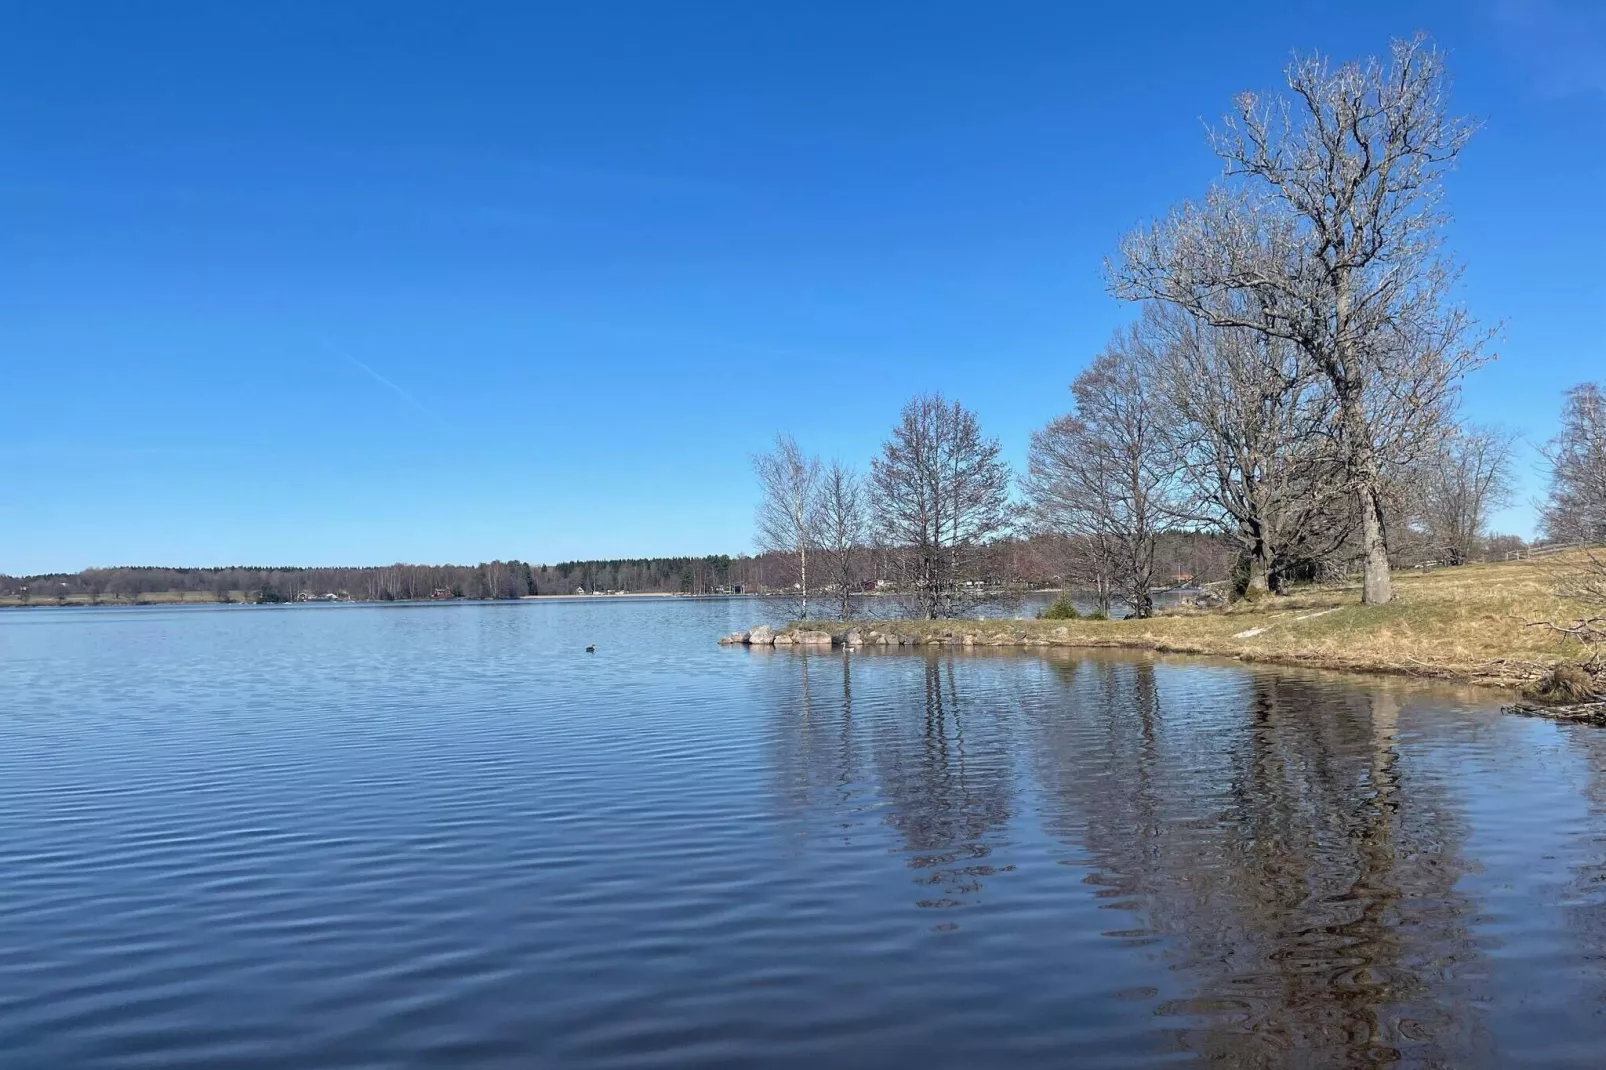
(1253, 439)
(940, 491)
(1064, 489)
(789, 484)
(1464, 479)
(1101, 475)
(1576, 508)
(1328, 217)
(1581, 578)
(843, 525)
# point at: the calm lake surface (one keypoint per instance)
(445, 836)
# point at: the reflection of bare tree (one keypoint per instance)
(948, 774)
(818, 761)
(1267, 833)
(932, 769)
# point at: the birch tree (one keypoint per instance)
(940, 490)
(1328, 217)
(788, 507)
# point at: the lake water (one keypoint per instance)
(445, 836)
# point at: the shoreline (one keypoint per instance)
(1468, 625)
(987, 634)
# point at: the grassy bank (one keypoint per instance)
(1466, 624)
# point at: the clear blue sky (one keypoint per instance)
(346, 283)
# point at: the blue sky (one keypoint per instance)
(344, 284)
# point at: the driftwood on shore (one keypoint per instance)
(1575, 713)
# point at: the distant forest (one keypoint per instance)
(1008, 562)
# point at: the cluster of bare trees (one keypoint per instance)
(1299, 349)
(1290, 383)
(935, 499)
(1321, 248)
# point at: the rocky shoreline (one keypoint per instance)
(890, 635)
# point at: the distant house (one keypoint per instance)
(441, 593)
(579, 590)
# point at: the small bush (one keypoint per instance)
(1062, 609)
(1097, 614)
(1565, 684)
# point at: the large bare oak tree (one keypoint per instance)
(1328, 217)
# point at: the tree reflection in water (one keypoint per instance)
(1299, 884)
(948, 775)
(1268, 841)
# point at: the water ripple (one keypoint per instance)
(445, 836)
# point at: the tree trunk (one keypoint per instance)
(1275, 582)
(1259, 574)
(803, 576)
(1376, 586)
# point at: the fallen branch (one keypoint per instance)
(1580, 712)
(1584, 629)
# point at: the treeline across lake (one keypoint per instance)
(385, 583)
(135, 584)
(1024, 563)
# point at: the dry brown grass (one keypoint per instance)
(1564, 685)
(1468, 623)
